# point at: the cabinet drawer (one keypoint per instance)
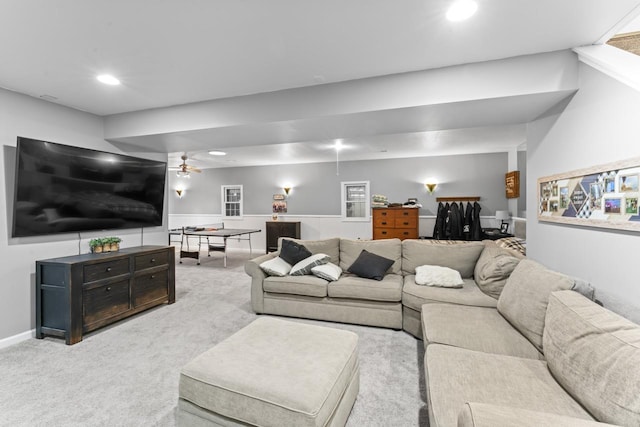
(384, 213)
(384, 233)
(407, 222)
(150, 287)
(406, 234)
(151, 260)
(105, 270)
(105, 301)
(383, 222)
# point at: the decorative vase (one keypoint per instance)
(274, 216)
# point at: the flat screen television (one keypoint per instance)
(62, 189)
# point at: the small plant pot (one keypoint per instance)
(97, 249)
(114, 247)
(106, 248)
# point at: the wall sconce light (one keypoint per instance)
(180, 193)
(286, 190)
(431, 187)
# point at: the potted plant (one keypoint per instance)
(96, 245)
(114, 243)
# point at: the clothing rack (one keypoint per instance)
(458, 199)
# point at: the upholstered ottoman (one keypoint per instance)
(273, 373)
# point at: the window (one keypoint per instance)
(355, 201)
(232, 201)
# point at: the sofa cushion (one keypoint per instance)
(328, 271)
(350, 286)
(457, 375)
(370, 266)
(276, 267)
(414, 296)
(304, 267)
(524, 299)
(434, 275)
(474, 328)
(493, 268)
(297, 285)
(595, 355)
(461, 257)
(330, 246)
(389, 248)
(293, 252)
(485, 415)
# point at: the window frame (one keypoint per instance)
(344, 201)
(224, 202)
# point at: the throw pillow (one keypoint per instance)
(328, 271)
(370, 266)
(304, 267)
(276, 267)
(293, 252)
(435, 275)
(493, 268)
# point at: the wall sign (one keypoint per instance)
(601, 196)
(512, 184)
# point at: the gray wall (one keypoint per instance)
(22, 115)
(599, 125)
(316, 187)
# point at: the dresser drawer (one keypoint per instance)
(384, 233)
(406, 234)
(103, 302)
(151, 260)
(105, 270)
(383, 221)
(150, 287)
(407, 222)
(383, 213)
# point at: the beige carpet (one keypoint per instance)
(127, 374)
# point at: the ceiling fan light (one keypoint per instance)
(461, 10)
(108, 79)
(183, 174)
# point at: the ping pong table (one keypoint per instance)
(204, 234)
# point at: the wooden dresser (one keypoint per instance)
(401, 223)
(81, 293)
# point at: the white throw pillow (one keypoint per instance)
(276, 267)
(329, 271)
(434, 275)
(304, 267)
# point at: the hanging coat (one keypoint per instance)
(468, 218)
(447, 222)
(455, 220)
(438, 227)
(476, 230)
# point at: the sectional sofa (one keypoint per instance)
(516, 344)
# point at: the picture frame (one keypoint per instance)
(278, 197)
(602, 196)
(504, 228)
(279, 207)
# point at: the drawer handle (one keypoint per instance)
(108, 288)
(153, 277)
(384, 232)
(153, 260)
(108, 269)
(405, 223)
(384, 222)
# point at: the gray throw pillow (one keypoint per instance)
(493, 268)
(370, 266)
(293, 252)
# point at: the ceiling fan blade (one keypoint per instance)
(192, 169)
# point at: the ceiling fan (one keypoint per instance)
(184, 170)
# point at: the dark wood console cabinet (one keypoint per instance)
(277, 229)
(81, 293)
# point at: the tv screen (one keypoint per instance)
(61, 189)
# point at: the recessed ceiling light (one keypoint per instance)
(108, 79)
(217, 153)
(461, 10)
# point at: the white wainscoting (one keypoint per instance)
(312, 227)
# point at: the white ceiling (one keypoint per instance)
(175, 52)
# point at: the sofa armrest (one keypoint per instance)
(252, 268)
(475, 414)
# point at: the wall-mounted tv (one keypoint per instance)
(62, 189)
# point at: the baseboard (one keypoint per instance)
(9, 341)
